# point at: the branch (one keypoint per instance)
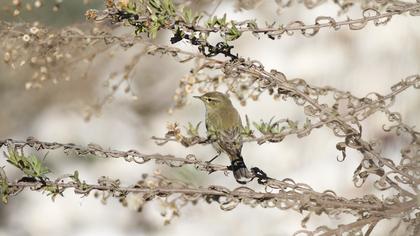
(155, 18)
(98, 151)
(160, 186)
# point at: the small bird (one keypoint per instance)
(224, 125)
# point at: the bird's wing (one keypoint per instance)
(230, 141)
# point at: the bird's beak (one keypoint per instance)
(198, 97)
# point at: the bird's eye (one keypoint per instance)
(211, 100)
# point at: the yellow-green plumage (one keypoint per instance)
(224, 125)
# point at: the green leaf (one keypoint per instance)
(252, 25)
(153, 30)
(307, 123)
(270, 127)
(131, 8)
(13, 158)
(30, 165)
(75, 176)
(246, 130)
(168, 7)
(222, 21)
(211, 22)
(233, 33)
(193, 130)
(292, 124)
(188, 15)
(155, 4)
(53, 191)
(154, 18)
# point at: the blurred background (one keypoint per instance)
(368, 60)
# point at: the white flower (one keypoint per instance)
(26, 38)
(34, 30)
(38, 4)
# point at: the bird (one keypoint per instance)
(224, 127)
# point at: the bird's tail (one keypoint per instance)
(240, 172)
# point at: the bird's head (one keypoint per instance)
(215, 100)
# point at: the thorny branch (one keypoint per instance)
(284, 194)
(361, 111)
(152, 16)
(243, 195)
(98, 151)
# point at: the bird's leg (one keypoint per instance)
(210, 138)
(218, 154)
(209, 169)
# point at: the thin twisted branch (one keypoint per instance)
(178, 21)
(129, 156)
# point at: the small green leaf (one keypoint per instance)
(168, 7)
(155, 4)
(211, 22)
(270, 127)
(53, 191)
(153, 30)
(292, 124)
(193, 130)
(222, 21)
(75, 176)
(307, 123)
(247, 131)
(188, 15)
(13, 158)
(252, 25)
(31, 165)
(154, 18)
(233, 33)
(131, 8)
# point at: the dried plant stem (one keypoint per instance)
(242, 194)
(51, 54)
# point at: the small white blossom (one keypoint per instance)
(34, 30)
(26, 38)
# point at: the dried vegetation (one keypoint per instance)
(52, 54)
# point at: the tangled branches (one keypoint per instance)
(284, 194)
(152, 16)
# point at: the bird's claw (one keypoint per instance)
(261, 176)
(209, 168)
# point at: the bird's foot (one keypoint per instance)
(261, 176)
(214, 158)
(209, 168)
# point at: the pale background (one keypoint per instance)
(372, 59)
